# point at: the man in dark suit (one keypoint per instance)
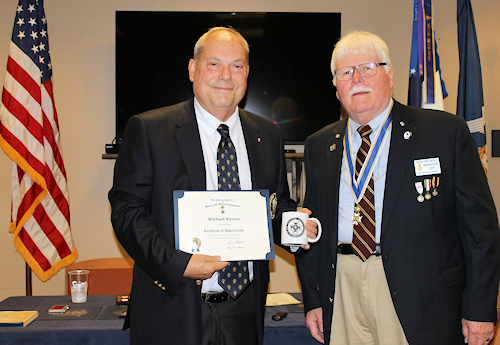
(176, 298)
(410, 245)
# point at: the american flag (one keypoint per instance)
(29, 135)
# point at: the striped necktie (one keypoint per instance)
(363, 240)
(233, 278)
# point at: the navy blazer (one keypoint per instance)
(441, 256)
(162, 152)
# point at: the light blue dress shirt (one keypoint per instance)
(346, 195)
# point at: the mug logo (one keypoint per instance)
(295, 227)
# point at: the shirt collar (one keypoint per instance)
(375, 123)
(209, 123)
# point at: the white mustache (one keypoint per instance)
(360, 88)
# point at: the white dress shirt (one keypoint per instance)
(210, 138)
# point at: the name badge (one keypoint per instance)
(429, 166)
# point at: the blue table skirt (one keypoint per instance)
(290, 331)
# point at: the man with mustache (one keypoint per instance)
(410, 249)
(176, 296)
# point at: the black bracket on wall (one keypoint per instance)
(495, 143)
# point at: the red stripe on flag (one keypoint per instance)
(49, 136)
(51, 231)
(20, 174)
(34, 250)
(28, 199)
(20, 113)
(57, 194)
(48, 86)
(21, 149)
(23, 78)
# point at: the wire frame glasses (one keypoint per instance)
(368, 69)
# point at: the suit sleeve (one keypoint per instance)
(307, 261)
(131, 216)
(478, 228)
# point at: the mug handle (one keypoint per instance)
(318, 236)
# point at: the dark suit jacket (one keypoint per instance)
(441, 256)
(162, 152)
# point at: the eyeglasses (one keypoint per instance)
(368, 69)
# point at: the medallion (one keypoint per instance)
(427, 183)
(273, 203)
(356, 217)
(435, 184)
(420, 190)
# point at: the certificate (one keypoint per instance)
(236, 225)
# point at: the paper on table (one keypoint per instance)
(280, 299)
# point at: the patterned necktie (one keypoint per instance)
(363, 240)
(234, 277)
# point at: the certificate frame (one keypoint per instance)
(262, 208)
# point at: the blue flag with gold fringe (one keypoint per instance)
(426, 88)
(470, 101)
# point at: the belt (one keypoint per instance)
(346, 248)
(211, 297)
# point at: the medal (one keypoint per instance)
(273, 203)
(420, 189)
(435, 184)
(427, 183)
(356, 217)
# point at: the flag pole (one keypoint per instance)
(29, 286)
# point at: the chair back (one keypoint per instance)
(109, 276)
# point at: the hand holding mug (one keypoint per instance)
(294, 232)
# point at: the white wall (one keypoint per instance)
(81, 37)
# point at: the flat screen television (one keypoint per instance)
(290, 82)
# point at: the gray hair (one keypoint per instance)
(198, 48)
(360, 42)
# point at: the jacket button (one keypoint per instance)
(198, 282)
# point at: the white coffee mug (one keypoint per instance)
(293, 231)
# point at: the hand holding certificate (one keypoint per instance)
(232, 224)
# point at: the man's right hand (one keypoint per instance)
(203, 266)
(314, 322)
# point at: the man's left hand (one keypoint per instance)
(311, 227)
(477, 333)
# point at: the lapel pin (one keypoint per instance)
(258, 140)
(402, 123)
(333, 147)
(337, 135)
(407, 135)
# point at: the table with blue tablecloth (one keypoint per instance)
(98, 322)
